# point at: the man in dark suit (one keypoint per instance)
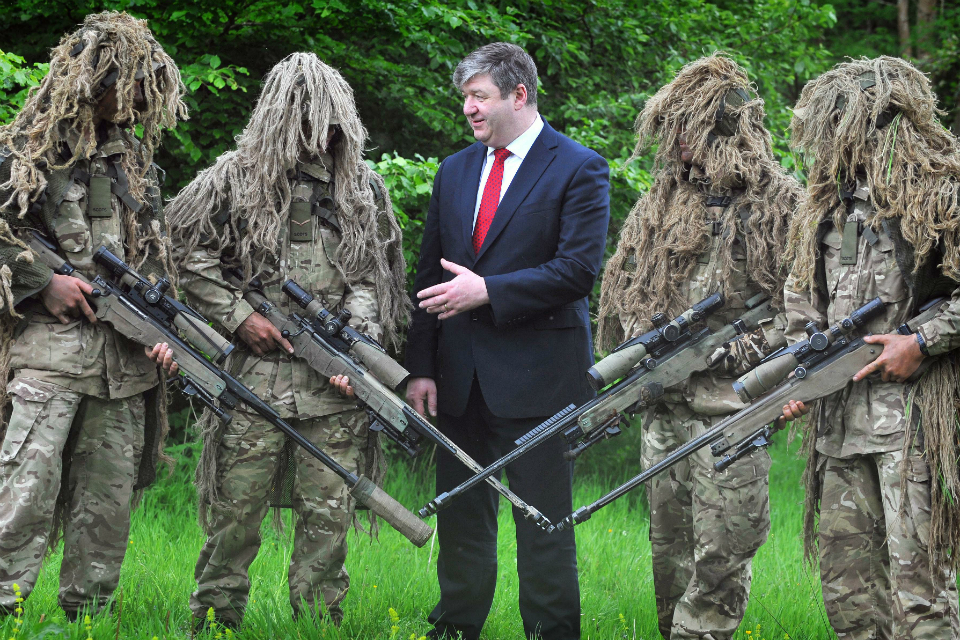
(500, 340)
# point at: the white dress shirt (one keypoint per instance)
(518, 149)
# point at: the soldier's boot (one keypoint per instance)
(215, 623)
(333, 613)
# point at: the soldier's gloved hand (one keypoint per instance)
(342, 384)
(65, 298)
(738, 356)
(162, 354)
(261, 336)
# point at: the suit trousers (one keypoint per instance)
(467, 530)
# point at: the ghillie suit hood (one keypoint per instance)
(665, 231)
(251, 183)
(111, 51)
(878, 119)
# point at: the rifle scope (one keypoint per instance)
(191, 325)
(778, 366)
(382, 366)
(630, 353)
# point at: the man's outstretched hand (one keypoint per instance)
(465, 292)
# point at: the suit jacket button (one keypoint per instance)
(474, 316)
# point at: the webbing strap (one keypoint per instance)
(121, 189)
(848, 246)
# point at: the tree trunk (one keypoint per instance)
(926, 17)
(903, 27)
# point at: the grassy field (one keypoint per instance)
(614, 561)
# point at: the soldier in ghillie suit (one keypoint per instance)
(715, 220)
(294, 200)
(87, 419)
(881, 218)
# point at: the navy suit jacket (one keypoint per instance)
(530, 347)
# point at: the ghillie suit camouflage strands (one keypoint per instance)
(665, 231)
(251, 181)
(107, 43)
(912, 168)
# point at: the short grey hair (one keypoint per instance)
(507, 64)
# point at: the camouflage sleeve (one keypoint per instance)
(20, 278)
(775, 331)
(361, 301)
(942, 334)
(800, 307)
(736, 357)
(209, 293)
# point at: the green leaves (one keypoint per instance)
(16, 79)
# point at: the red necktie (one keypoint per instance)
(490, 199)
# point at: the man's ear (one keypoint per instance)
(520, 101)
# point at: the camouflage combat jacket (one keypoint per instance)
(711, 393)
(308, 247)
(88, 358)
(869, 416)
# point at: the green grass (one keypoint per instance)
(614, 561)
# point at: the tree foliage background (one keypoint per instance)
(598, 60)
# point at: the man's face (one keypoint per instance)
(492, 118)
(108, 106)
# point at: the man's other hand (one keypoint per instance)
(261, 336)
(793, 410)
(162, 354)
(901, 357)
(420, 389)
(65, 298)
(342, 384)
(465, 292)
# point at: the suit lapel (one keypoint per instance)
(538, 159)
(467, 196)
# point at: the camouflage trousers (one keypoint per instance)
(705, 528)
(109, 442)
(246, 466)
(877, 579)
